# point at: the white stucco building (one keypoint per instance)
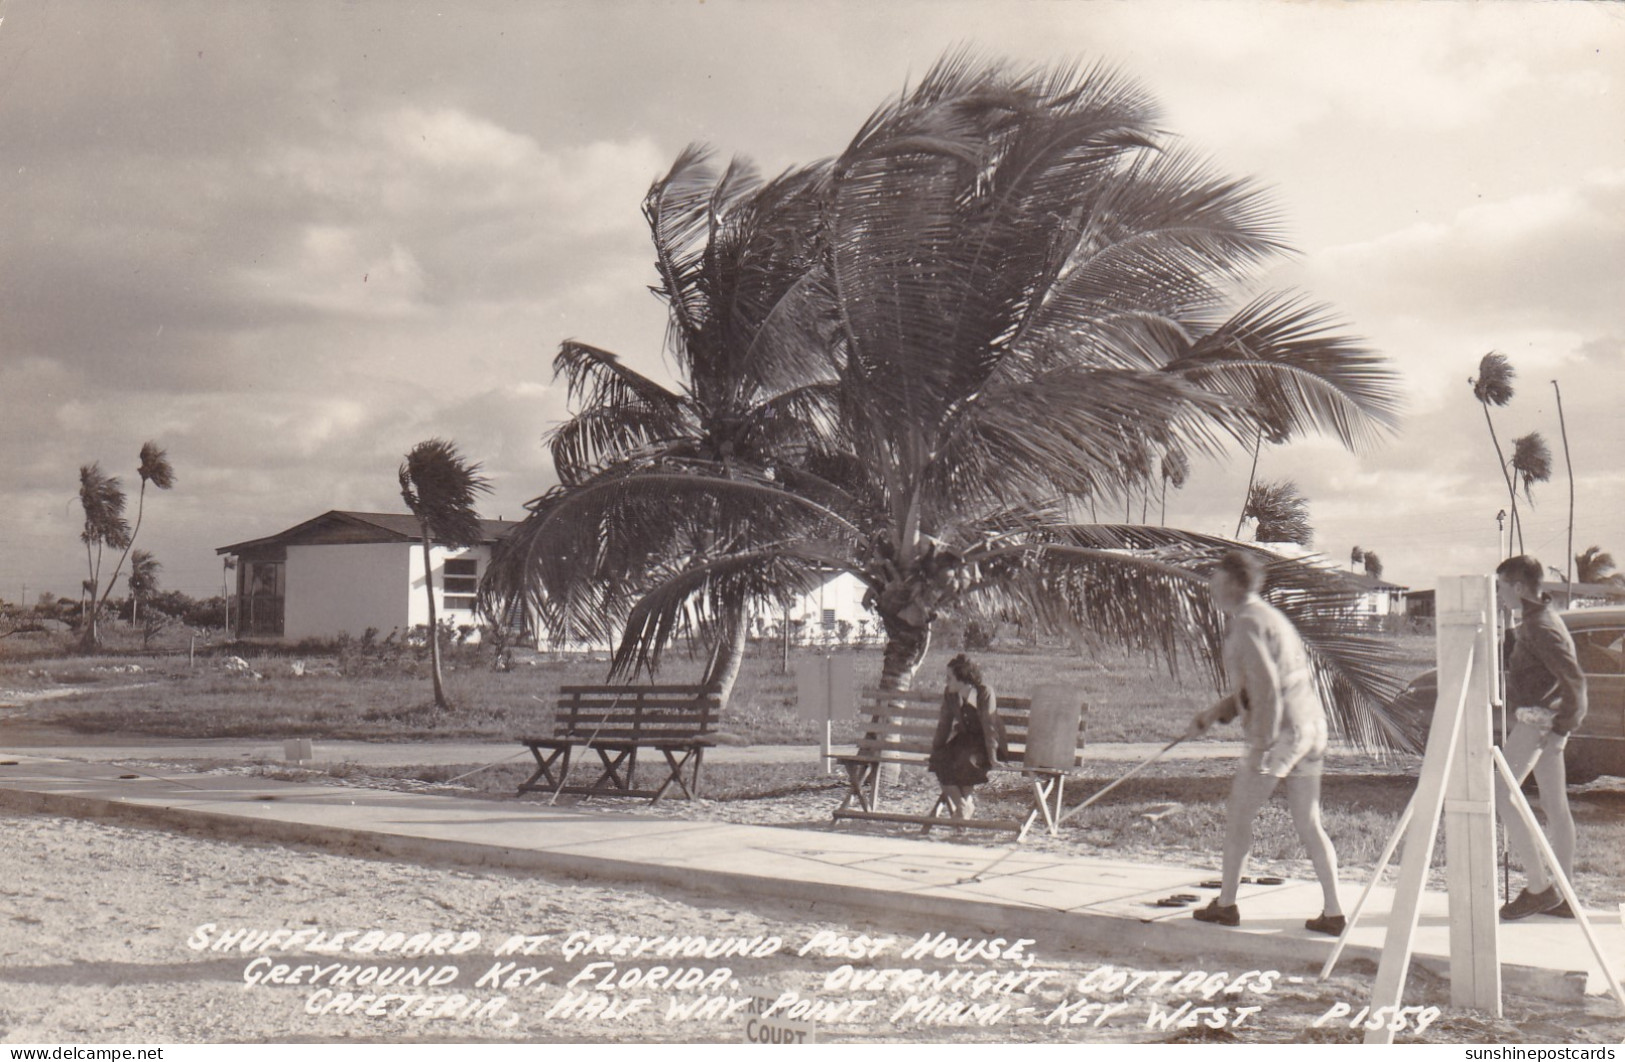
(816, 617)
(344, 572)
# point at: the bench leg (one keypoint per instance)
(1048, 795)
(612, 771)
(675, 773)
(859, 777)
(544, 771)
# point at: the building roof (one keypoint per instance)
(1367, 583)
(342, 526)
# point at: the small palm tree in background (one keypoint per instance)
(1176, 469)
(1531, 463)
(154, 469)
(440, 488)
(1596, 566)
(102, 499)
(1356, 557)
(1493, 387)
(1373, 564)
(143, 581)
(1280, 512)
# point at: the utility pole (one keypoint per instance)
(1563, 425)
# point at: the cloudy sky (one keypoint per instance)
(288, 240)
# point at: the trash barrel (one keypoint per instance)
(1052, 727)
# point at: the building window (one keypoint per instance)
(829, 619)
(460, 583)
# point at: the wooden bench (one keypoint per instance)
(616, 722)
(901, 729)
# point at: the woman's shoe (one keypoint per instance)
(1331, 925)
(1218, 914)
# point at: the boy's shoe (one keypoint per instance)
(1331, 925)
(1562, 910)
(1218, 915)
(1531, 903)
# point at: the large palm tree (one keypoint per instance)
(441, 488)
(1531, 463)
(102, 499)
(729, 250)
(1493, 387)
(1019, 291)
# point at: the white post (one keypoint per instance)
(1466, 640)
(1469, 815)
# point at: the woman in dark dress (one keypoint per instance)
(966, 743)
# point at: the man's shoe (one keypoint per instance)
(1531, 903)
(1331, 925)
(1562, 910)
(1218, 915)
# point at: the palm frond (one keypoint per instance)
(441, 489)
(695, 600)
(593, 549)
(155, 467)
(102, 498)
(1146, 588)
(595, 377)
(1280, 360)
(1532, 461)
(1076, 431)
(678, 210)
(1280, 513)
(1493, 384)
(601, 436)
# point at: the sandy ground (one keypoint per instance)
(110, 933)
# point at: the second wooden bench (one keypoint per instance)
(900, 729)
(616, 722)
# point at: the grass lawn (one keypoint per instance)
(1130, 698)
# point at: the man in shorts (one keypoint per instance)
(1286, 731)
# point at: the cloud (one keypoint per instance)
(1549, 259)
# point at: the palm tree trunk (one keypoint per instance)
(1563, 427)
(906, 646)
(140, 508)
(1251, 475)
(1500, 459)
(727, 656)
(89, 640)
(1517, 525)
(1164, 518)
(434, 626)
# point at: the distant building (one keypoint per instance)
(830, 613)
(344, 572)
(1373, 598)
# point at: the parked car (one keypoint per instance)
(1597, 747)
